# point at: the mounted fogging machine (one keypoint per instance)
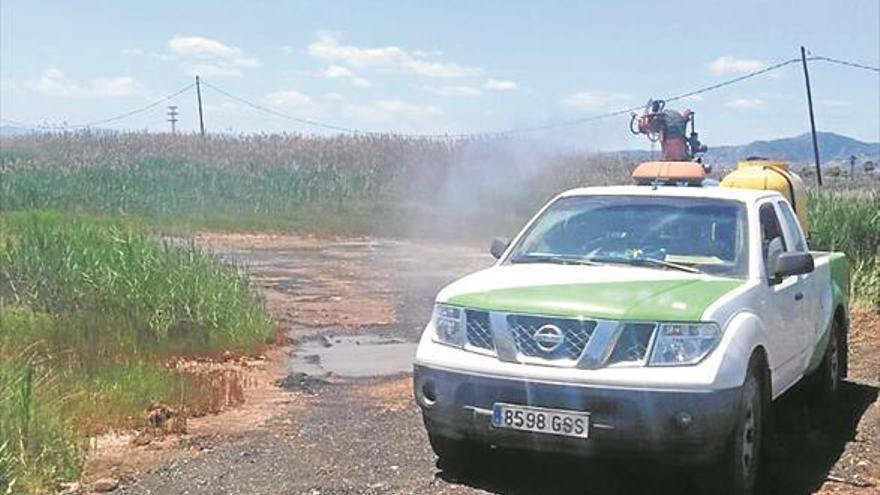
(680, 163)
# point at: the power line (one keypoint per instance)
(844, 62)
(277, 113)
(734, 80)
(513, 131)
(135, 111)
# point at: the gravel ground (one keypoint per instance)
(364, 435)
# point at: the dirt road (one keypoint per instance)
(355, 309)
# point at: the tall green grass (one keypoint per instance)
(288, 181)
(162, 294)
(93, 310)
(37, 442)
(850, 222)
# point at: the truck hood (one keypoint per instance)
(608, 292)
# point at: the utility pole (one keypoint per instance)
(812, 118)
(172, 117)
(202, 118)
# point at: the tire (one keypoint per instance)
(830, 374)
(742, 457)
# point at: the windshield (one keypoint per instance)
(690, 234)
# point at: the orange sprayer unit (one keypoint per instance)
(681, 166)
(669, 127)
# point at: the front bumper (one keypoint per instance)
(623, 422)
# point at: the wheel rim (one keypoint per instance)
(834, 363)
(749, 439)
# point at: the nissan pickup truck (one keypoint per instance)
(636, 321)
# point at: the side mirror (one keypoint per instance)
(498, 246)
(788, 264)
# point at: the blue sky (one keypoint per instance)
(441, 66)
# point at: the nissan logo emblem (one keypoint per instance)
(549, 338)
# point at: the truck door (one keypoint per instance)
(811, 309)
(782, 305)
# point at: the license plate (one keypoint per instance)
(541, 420)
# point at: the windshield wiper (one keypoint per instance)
(650, 262)
(559, 260)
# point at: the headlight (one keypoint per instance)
(684, 343)
(449, 325)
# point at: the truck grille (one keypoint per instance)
(574, 336)
(479, 332)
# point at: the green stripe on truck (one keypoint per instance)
(666, 300)
(840, 298)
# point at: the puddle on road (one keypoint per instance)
(353, 356)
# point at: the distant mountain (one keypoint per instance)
(796, 150)
(11, 130)
(799, 149)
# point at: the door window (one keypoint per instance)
(794, 233)
(772, 240)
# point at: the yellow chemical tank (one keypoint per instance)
(775, 176)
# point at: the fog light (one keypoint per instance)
(429, 393)
(683, 420)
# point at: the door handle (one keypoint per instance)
(798, 296)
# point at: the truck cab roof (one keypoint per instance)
(728, 193)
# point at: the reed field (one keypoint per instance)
(99, 295)
(93, 311)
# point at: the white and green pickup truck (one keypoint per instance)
(632, 321)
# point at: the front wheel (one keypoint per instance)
(452, 453)
(742, 457)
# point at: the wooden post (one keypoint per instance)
(202, 119)
(812, 118)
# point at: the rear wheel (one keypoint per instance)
(831, 372)
(742, 458)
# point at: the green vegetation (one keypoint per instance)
(850, 222)
(93, 312)
(385, 184)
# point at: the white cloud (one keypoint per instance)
(360, 82)
(727, 64)
(55, 83)
(327, 47)
(334, 97)
(290, 98)
(385, 110)
(746, 103)
(197, 45)
(340, 72)
(208, 56)
(500, 85)
(592, 100)
(336, 72)
(454, 91)
(114, 86)
(52, 83)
